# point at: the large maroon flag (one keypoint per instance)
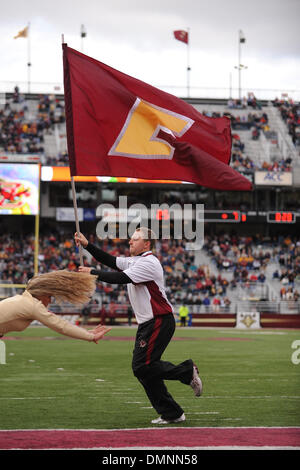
(120, 126)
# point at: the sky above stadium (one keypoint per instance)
(136, 37)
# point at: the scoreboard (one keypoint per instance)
(281, 217)
(230, 216)
(164, 215)
(236, 216)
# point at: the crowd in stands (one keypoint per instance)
(248, 257)
(186, 283)
(61, 159)
(245, 257)
(258, 122)
(19, 134)
(242, 163)
(51, 109)
(281, 165)
(287, 254)
(239, 161)
(17, 256)
(56, 251)
(245, 102)
(22, 133)
(198, 285)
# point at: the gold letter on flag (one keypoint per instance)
(139, 135)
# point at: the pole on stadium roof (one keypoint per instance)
(82, 35)
(28, 59)
(240, 66)
(188, 63)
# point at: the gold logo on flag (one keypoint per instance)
(139, 137)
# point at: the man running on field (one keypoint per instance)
(143, 274)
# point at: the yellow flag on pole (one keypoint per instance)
(22, 34)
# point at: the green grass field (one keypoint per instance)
(51, 382)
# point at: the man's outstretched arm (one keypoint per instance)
(102, 256)
(105, 276)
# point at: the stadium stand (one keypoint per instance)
(290, 113)
(230, 269)
(38, 126)
(30, 126)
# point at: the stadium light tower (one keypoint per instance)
(240, 67)
(29, 58)
(82, 35)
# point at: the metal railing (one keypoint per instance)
(283, 307)
(249, 305)
(209, 92)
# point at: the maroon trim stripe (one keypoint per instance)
(159, 304)
(155, 333)
(164, 438)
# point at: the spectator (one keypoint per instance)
(103, 315)
(129, 314)
(85, 314)
(112, 313)
(261, 277)
(183, 313)
(206, 302)
(216, 304)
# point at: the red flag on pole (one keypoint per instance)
(182, 36)
(120, 126)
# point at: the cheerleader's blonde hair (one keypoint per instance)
(65, 286)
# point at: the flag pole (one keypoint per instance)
(76, 217)
(28, 58)
(75, 200)
(239, 63)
